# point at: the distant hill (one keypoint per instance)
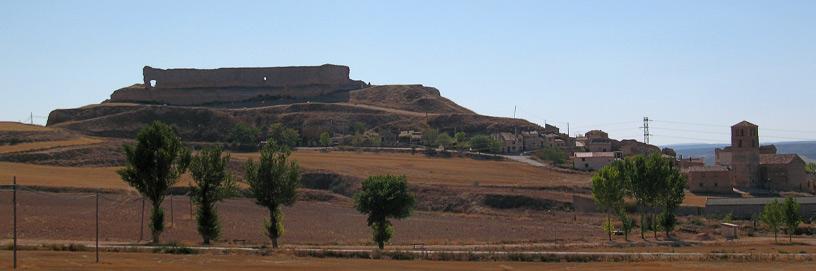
(806, 149)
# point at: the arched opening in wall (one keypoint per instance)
(152, 83)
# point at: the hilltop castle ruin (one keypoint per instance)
(226, 86)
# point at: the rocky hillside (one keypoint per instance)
(210, 117)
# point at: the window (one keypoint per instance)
(152, 83)
(586, 165)
(715, 184)
(264, 78)
(739, 143)
(701, 184)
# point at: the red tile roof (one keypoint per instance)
(744, 123)
(782, 159)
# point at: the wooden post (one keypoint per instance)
(141, 223)
(14, 203)
(97, 227)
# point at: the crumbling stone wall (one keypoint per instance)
(246, 77)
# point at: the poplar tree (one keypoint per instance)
(154, 165)
(273, 182)
(213, 183)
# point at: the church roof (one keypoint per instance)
(779, 159)
(744, 123)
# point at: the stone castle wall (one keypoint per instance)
(246, 77)
(237, 85)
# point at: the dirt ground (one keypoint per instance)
(70, 216)
(421, 169)
(47, 260)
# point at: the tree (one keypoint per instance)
(670, 192)
(244, 134)
(273, 182)
(153, 166)
(444, 140)
(325, 140)
(429, 137)
(640, 187)
(459, 137)
(483, 143)
(283, 136)
(550, 153)
(357, 128)
(810, 168)
(773, 216)
(608, 190)
(792, 217)
(627, 224)
(384, 197)
(213, 183)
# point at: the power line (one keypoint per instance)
(729, 126)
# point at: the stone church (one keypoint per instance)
(747, 166)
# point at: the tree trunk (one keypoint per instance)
(609, 230)
(654, 224)
(156, 220)
(642, 223)
(273, 227)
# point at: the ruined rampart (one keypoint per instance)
(240, 87)
(246, 77)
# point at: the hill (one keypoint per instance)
(203, 105)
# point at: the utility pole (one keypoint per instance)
(645, 128)
(568, 129)
(31, 119)
(97, 227)
(14, 202)
(514, 111)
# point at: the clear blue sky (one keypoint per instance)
(591, 63)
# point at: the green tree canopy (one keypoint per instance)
(273, 182)
(608, 189)
(552, 154)
(282, 136)
(153, 165)
(382, 198)
(444, 140)
(483, 143)
(792, 216)
(213, 183)
(773, 216)
(325, 139)
(244, 134)
(429, 137)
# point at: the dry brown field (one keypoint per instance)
(21, 127)
(48, 144)
(48, 260)
(69, 217)
(426, 170)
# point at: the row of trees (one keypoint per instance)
(159, 158)
(652, 181)
(776, 214)
(247, 135)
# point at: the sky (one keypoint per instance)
(693, 67)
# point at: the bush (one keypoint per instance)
(553, 154)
